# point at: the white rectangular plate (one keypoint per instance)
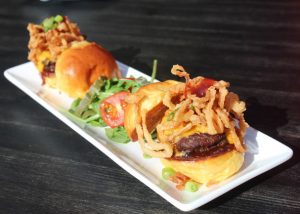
(258, 158)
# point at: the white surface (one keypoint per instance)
(258, 158)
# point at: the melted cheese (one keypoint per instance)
(194, 130)
(45, 55)
(229, 138)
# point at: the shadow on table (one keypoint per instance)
(262, 117)
(265, 118)
(128, 56)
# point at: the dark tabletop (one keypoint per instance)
(45, 167)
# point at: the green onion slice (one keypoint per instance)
(58, 18)
(167, 172)
(191, 186)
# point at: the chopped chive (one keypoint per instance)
(191, 186)
(167, 172)
(58, 18)
(154, 69)
(171, 116)
(48, 23)
(192, 107)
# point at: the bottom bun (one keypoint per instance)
(50, 81)
(211, 170)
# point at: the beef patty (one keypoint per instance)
(202, 146)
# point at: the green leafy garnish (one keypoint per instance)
(52, 22)
(86, 110)
(167, 172)
(154, 134)
(192, 107)
(58, 18)
(74, 104)
(88, 107)
(117, 134)
(154, 69)
(191, 186)
(90, 96)
(171, 115)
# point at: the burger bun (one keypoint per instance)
(78, 67)
(210, 170)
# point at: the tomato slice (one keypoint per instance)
(112, 109)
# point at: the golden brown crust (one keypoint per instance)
(148, 99)
(211, 170)
(78, 67)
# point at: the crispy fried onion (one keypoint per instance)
(178, 70)
(55, 41)
(219, 110)
(149, 145)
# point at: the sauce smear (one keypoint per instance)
(202, 87)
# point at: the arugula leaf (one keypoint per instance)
(74, 104)
(117, 134)
(89, 97)
(97, 123)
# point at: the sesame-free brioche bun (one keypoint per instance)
(78, 67)
(50, 81)
(149, 99)
(210, 170)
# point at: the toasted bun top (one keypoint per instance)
(78, 67)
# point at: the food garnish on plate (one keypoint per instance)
(199, 125)
(104, 104)
(65, 59)
(196, 128)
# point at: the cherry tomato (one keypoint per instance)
(112, 109)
